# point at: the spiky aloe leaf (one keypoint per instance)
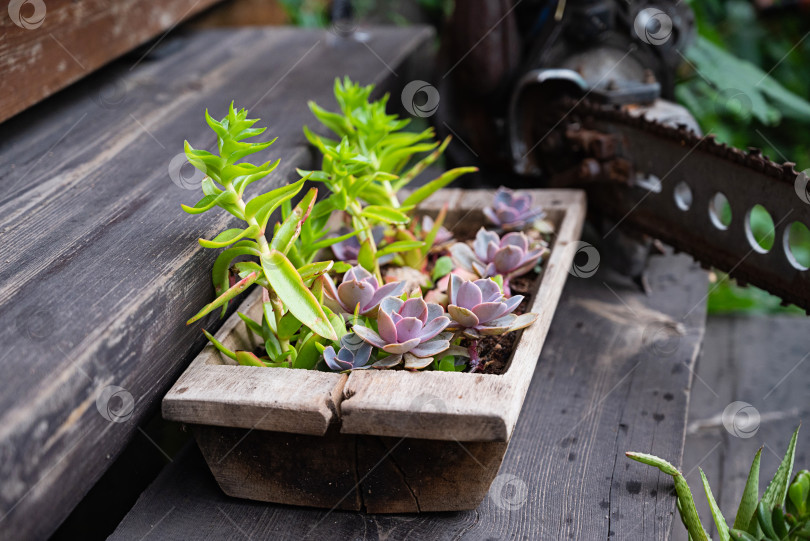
(719, 519)
(777, 489)
(750, 496)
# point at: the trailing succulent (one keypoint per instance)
(782, 513)
(368, 309)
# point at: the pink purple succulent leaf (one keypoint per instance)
(491, 255)
(408, 327)
(359, 288)
(479, 307)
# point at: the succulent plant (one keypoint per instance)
(359, 291)
(353, 353)
(409, 331)
(491, 255)
(512, 211)
(480, 308)
(443, 235)
(782, 513)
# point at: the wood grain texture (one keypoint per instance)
(458, 406)
(216, 389)
(99, 267)
(601, 387)
(350, 472)
(42, 55)
(762, 361)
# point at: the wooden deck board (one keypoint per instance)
(100, 268)
(608, 380)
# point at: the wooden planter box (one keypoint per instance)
(379, 441)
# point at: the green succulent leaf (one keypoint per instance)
(776, 492)
(269, 318)
(331, 241)
(421, 165)
(299, 300)
(291, 227)
(423, 192)
(741, 535)
(764, 520)
(686, 503)
(217, 344)
(399, 246)
(308, 353)
(366, 256)
(313, 270)
(750, 496)
(799, 494)
(252, 325)
(268, 202)
(385, 215)
(444, 266)
(247, 358)
(220, 271)
(719, 519)
(229, 236)
(223, 299)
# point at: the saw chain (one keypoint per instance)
(671, 183)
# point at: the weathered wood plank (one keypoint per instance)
(599, 389)
(215, 390)
(100, 268)
(468, 407)
(49, 45)
(761, 361)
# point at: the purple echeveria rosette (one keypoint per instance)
(409, 331)
(511, 210)
(492, 255)
(359, 288)
(480, 308)
(354, 353)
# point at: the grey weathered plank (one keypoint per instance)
(762, 361)
(74, 38)
(99, 267)
(602, 386)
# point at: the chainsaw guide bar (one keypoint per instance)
(671, 183)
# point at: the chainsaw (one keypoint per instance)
(582, 91)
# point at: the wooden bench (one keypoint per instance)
(100, 269)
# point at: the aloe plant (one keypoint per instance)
(781, 514)
(289, 302)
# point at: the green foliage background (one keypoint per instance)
(746, 79)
